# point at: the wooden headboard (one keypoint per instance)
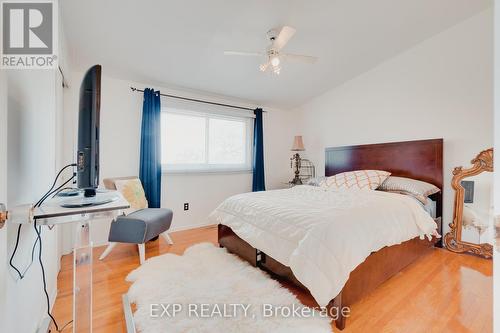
(421, 160)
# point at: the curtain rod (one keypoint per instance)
(200, 101)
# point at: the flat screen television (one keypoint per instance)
(88, 132)
(87, 159)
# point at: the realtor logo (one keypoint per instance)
(29, 35)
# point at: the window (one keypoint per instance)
(195, 141)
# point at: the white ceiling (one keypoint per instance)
(180, 43)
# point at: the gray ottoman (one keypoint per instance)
(138, 228)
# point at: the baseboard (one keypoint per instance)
(54, 296)
(44, 326)
(189, 227)
(173, 229)
(45, 322)
(98, 244)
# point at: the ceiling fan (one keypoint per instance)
(279, 37)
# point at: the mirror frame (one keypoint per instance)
(483, 162)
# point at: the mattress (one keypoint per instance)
(429, 207)
(323, 235)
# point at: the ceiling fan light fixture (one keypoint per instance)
(278, 37)
(275, 61)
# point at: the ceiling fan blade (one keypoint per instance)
(246, 54)
(300, 58)
(264, 66)
(284, 36)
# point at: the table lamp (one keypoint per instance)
(298, 145)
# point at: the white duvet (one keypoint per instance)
(323, 235)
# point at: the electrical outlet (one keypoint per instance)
(186, 206)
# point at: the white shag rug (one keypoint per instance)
(209, 290)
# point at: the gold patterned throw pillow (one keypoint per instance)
(357, 180)
(133, 192)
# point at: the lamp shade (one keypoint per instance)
(298, 144)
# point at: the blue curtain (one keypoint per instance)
(258, 182)
(150, 164)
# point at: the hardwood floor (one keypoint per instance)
(442, 292)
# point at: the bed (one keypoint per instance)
(421, 160)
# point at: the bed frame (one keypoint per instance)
(422, 160)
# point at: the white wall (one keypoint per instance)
(3, 197)
(31, 167)
(31, 121)
(496, 175)
(441, 88)
(121, 111)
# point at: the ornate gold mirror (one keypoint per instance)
(472, 226)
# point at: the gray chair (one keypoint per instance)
(137, 227)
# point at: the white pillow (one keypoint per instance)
(416, 188)
(357, 180)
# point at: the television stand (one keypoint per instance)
(85, 201)
(51, 213)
